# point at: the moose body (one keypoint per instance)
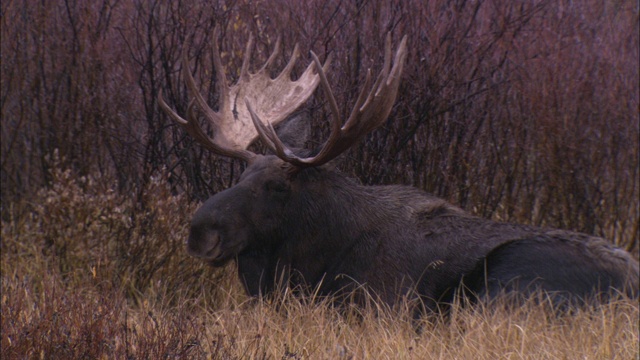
(294, 221)
(321, 229)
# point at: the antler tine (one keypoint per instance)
(384, 74)
(244, 72)
(221, 78)
(193, 89)
(273, 55)
(370, 110)
(177, 118)
(335, 123)
(292, 62)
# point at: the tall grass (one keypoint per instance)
(70, 291)
(50, 322)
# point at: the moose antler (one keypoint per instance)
(369, 112)
(275, 99)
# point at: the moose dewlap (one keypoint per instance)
(293, 221)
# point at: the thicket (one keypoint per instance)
(526, 111)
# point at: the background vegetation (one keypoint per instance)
(520, 111)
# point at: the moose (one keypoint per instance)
(293, 220)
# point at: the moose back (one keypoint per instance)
(292, 220)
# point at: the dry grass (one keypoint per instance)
(50, 320)
(68, 293)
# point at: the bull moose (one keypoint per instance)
(292, 219)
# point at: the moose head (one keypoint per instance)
(228, 222)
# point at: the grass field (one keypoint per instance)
(68, 291)
(46, 319)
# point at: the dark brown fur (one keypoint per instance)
(315, 227)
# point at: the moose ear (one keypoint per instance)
(295, 131)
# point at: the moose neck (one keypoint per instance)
(328, 219)
(331, 207)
